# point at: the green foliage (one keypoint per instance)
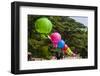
(73, 33)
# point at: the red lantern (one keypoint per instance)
(65, 48)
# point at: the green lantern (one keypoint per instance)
(43, 25)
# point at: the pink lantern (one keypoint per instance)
(55, 38)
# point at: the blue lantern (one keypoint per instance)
(61, 44)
